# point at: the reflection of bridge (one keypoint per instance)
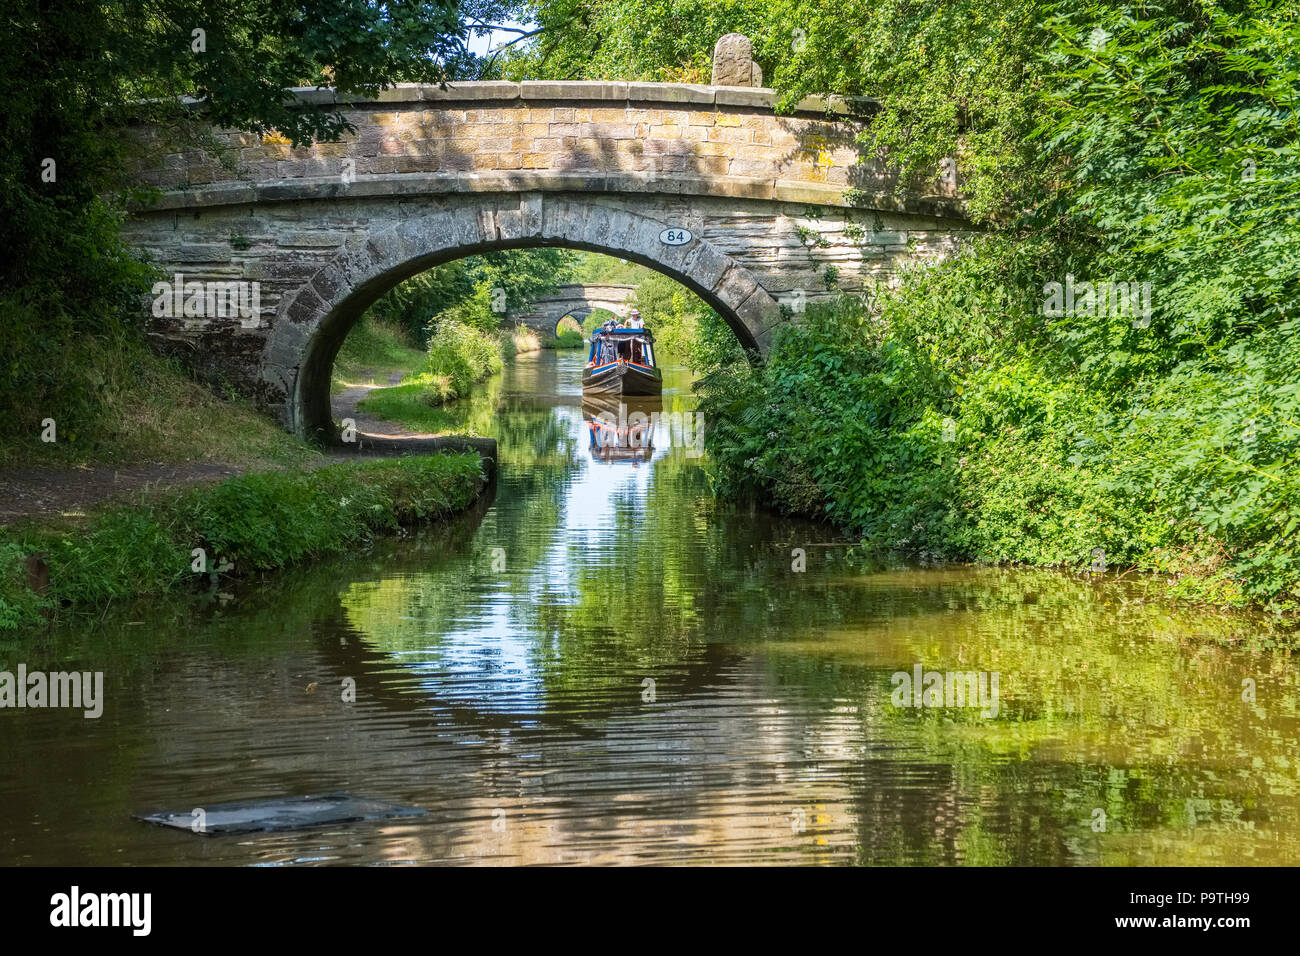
(756, 203)
(578, 301)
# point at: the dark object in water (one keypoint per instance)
(280, 813)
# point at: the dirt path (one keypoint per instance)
(344, 405)
(36, 492)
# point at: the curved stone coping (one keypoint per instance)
(618, 181)
(582, 91)
(578, 290)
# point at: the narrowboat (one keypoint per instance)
(622, 361)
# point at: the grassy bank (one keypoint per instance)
(253, 523)
(566, 339)
(460, 356)
(520, 341)
(375, 349)
(144, 408)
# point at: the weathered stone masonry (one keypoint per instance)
(431, 175)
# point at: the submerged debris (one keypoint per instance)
(281, 813)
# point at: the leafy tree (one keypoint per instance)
(477, 290)
(1147, 142)
(73, 73)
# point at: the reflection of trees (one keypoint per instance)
(773, 687)
(1107, 702)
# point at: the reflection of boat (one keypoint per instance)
(621, 430)
(622, 362)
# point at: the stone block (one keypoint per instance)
(733, 61)
(573, 90)
(689, 93)
(748, 97)
(480, 90)
(306, 308)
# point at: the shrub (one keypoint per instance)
(463, 354)
(521, 340)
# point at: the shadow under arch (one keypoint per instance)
(313, 321)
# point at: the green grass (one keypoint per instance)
(463, 354)
(567, 339)
(459, 357)
(257, 522)
(147, 409)
(415, 404)
(374, 350)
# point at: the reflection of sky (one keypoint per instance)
(491, 654)
(489, 658)
(593, 494)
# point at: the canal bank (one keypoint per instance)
(602, 663)
(245, 525)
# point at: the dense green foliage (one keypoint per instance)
(477, 290)
(596, 318)
(1144, 142)
(670, 311)
(594, 268)
(462, 355)
(256, 522)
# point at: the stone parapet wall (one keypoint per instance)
(554, 136)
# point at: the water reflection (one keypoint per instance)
(604, 665)
(621, 430)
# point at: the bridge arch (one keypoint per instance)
(577, 300)
(313, 322)
(575, 316)
(778, 207)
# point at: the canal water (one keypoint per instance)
(603, 664)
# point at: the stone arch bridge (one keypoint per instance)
(575, 299)
(302, 241)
